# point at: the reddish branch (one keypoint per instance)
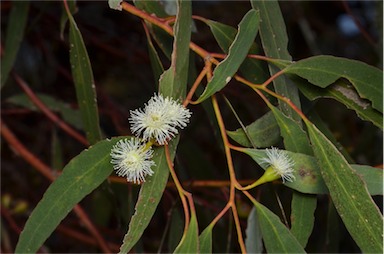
(45, 170)
(53, 117)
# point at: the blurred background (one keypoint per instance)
(117, 47)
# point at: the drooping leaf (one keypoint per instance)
(176, 229)
(149, 197)
(238, 50)
(14, 35)
(264, 132)
(359, 213)
(325, 70)
(177, 75)
(253, 240)
(190, 243)
(84, 83)
(302, 216)
(80, 177)
(156, 64)
(205, 240)
(345, 94)
(252, 69)
(64, 17)
(276, 236)
(274, 40)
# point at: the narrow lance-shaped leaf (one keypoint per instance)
(149, 197)
(239, 49)
(254, 70)
(80, 177)
(253, 240)
(205, 240)
(274, 40)
(189, 243)
(325, 70)
(177, 74)
(276, 236)
(84, 83)
(15, 32)
(356, 208)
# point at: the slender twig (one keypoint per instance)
(232, 174)
(178, 187)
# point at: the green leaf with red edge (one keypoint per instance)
(80, 176)
(349, 193)
(223, 73)
(325, 70)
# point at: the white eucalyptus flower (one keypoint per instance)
(281, 164)
(159, 119)
(132, 159)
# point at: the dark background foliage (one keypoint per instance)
(117, 47)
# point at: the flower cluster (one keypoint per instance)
(158, 121)
(279, 163)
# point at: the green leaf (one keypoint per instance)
(254, 240)
(149, 197)
(80, 177)
(176, 229)
(263, 132)
(189, 243)
(71, 116)
(205, 240)
(276, 236)
(308, 174)
(274, 40)
(373, 178)
(302, 217)
(254, 70)
(238, 51)
(345, 94)
(177, 74)
(295, 138)
(325, 70)
(359, 213)
(15, 32)
(64, 17)
(84, 83)
(156, 64)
